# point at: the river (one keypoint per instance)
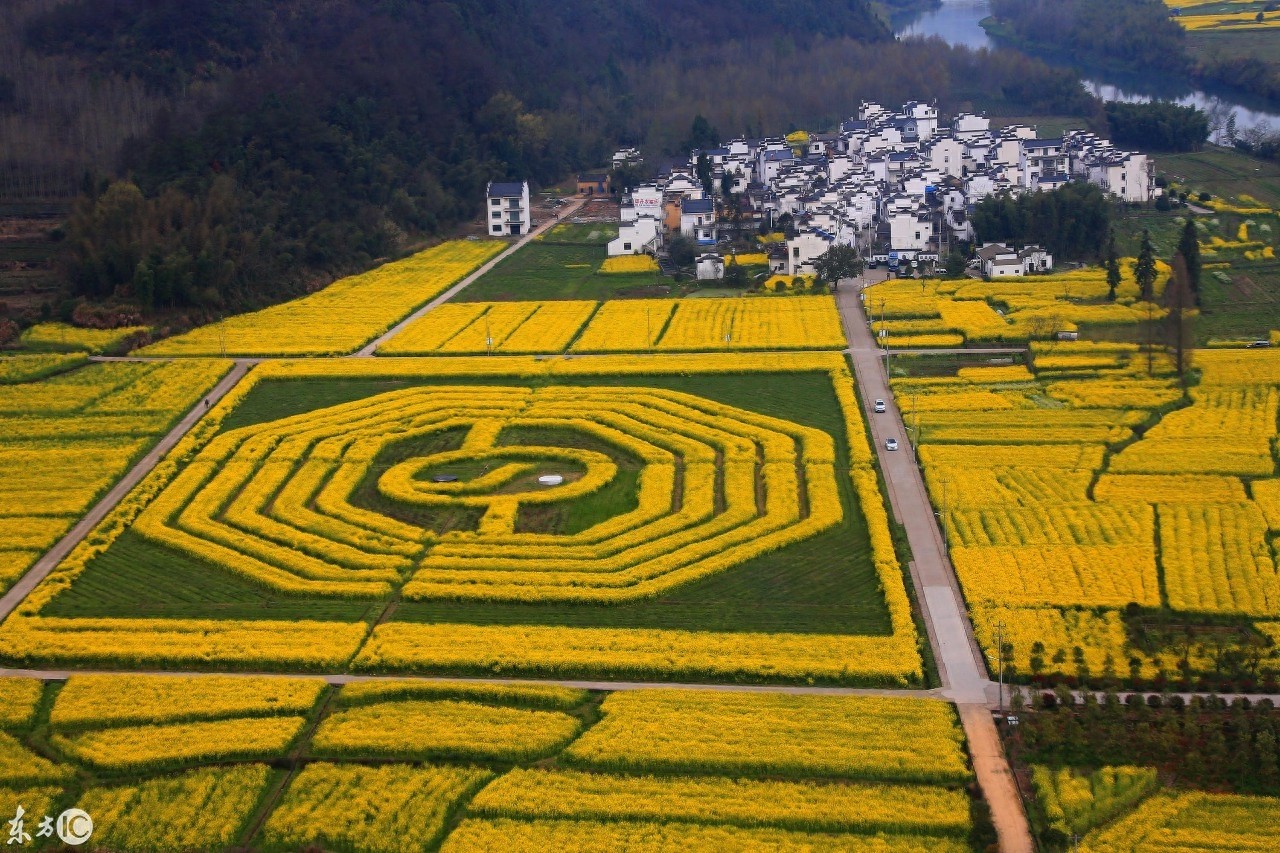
(956, 22)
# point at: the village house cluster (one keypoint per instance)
(899, 186)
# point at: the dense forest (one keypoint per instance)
(246, 150)
(1072, 222)
(1160, 126)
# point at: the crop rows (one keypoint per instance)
(801, 322)
(672, 767)
(272, 503)
(65, 439)
(1061, 519)
(1190, 822)
(342, 316)
(946, 313)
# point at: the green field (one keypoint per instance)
(824, 584)
(1164, 227)
(563, 265)
(1223, 172)
(1047, 127)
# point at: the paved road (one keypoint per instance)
(371, 349)
(959, 661)
(957, 351)
(349, 678)
(46, 564)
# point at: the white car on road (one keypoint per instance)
(891, 444)
(880, 409)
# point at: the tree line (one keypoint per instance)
(1159, 125)
(1135, 33)
(294, 142)
(1072, 221)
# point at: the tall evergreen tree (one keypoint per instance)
(705, 176)
(1189, 248)
(1145, 269)
(1113, 267)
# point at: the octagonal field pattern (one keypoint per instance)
(711, 516)
(718, 485)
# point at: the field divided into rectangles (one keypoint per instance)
(341, 317)
(629, 325)
(1089, 500)
(65, 438)
(393, 766)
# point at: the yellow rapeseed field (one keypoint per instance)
(385, 809)
(774, 734)
(344, 315)
(160, 746)
(90, 700)
(332, 546)
(200, 810)
(629, 264)
(444, 728)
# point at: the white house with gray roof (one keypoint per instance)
(507, 208)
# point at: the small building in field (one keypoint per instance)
(1001, 261)
(593, 185)
(640, 236)
(710, 267)
(507, 209)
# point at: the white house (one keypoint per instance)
(508, 208)
(925, 117)
(642, 236)
(1040, 157)
(947, 155)
(910, 224)
(1001, 261)
(967, 125)
(1035, 259)
(710, 267)
(805, 248)
(698, 219)
(645, 200)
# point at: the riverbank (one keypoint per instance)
(959, 22)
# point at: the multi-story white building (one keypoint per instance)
(508, 209)
(698, 219)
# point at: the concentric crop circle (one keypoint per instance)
(718, 485)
